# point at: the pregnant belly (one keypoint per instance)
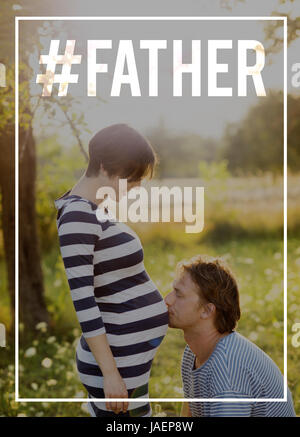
(135, 335)
(132, 317)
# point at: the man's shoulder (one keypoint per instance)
(186, 352)
(187, 356)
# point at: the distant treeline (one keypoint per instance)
(251, 146)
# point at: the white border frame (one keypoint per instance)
(17, 398)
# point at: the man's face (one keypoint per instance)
(183, 302)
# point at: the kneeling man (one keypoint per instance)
(217, 361)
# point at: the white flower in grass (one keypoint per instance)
(75, 332)
(253, 336)
(178, 390)
(51, 339)
(21, 415)
(245, 299)
(277, 324)
(57, 283)
(61, 350)
(171, 260)
(79, 394)
(34, 386)
(39, 414)
(293, 308)
(30, 352)
(159, 412)
(84, 407)
(45, 404)
(166, 380)
(41, 326)
(69, 375)
(51, 382)
(277, 255)
(35, 342)
(47, 363)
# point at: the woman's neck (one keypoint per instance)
(87, 188)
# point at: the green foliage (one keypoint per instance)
(251, 146)
(7, 102)
(215, 177)
(179, 154)
(255, 144)
(58, 168)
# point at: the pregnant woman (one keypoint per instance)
(122, 315)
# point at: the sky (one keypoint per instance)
(205, 115)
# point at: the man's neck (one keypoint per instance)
(202, 342)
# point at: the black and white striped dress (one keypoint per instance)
(113, 294)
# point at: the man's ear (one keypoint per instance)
(208, 310)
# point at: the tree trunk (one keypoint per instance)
(31, 289)
(7, 185)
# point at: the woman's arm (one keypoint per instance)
(79, 231)
(114, 386)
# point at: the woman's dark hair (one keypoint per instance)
(123, 152)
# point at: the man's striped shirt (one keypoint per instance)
(237, 368)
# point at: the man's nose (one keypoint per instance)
(168, 299)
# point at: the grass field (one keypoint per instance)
(47, 356)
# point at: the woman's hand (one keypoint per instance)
(114, 387)
(113, 384)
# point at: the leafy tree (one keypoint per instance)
(179, 154)
(31, 286)
(255, 144)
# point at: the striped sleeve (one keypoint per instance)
(230, 409)
(79, 230)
